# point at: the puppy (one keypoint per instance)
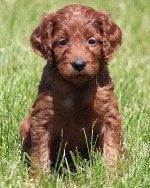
(75, 98)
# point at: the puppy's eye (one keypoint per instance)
(62, 42)
(92, 42)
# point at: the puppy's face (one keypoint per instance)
(76, 39)
(77, 48)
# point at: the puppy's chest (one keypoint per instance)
(76, 102)
(76, 120)
(73, 103)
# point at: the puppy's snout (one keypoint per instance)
(78, 64)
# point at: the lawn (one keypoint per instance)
(20, 72)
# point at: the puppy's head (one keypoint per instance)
(76, 39)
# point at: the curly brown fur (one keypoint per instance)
(76, 92)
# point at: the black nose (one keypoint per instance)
(78, 65)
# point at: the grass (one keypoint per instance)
(20, 72)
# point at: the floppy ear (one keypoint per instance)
(111, 34)
(41, 38)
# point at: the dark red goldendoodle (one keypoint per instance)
(75, 95)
